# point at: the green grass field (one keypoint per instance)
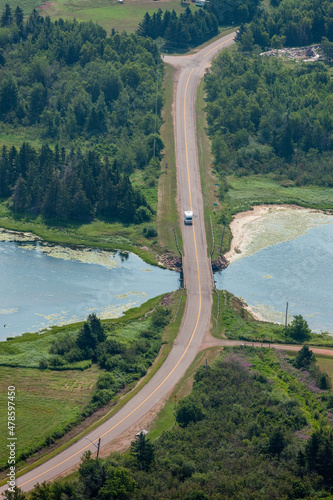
(26, 5)
(110, 14)
(45, 401)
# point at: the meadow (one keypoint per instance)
(65, 394)
(109, 14)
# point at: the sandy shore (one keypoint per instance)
(240, 238)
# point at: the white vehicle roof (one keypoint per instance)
(188, 213)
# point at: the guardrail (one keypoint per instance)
(181, 258)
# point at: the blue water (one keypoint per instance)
(38, 290)
(299, 272)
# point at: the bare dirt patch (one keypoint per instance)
(47, 5)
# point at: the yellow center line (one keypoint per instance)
(222, 43)
(189, 342)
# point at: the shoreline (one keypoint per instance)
(240, 241)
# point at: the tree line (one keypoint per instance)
(181, 30)
(68, 83)
(265, 117)
(243, 432)
(232, 11)
(288, 23)
(72, 186)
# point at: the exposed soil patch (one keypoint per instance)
(47, 5)
(306, 54)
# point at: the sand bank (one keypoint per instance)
(244, 231)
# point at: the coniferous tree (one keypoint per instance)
(143, 451)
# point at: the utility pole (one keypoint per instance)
(96, 445)
(286, 321)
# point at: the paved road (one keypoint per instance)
(197, 275)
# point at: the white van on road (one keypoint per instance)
(188, 217)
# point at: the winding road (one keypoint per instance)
(197, 275)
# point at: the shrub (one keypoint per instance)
(43, 364)
(105, 381)
(142, 214)
(102, 397)
(149, 232)
(189, 411)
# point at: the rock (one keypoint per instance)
(219, 264)
(174, 263)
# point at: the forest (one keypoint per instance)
(265, 116)
(288, 23)
(69, 85)
(255, 426)
(234, 12)
(71, 187)
(187, 29)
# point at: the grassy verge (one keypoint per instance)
(213, 209)
(29, 380)
(166, 417)
(168, 215)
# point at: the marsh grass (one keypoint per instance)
(244, 192)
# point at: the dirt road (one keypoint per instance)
(197, 275)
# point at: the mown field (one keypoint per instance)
(26, 5)
(45, 402)
(109, 14)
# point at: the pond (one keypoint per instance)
(272, 271)
(44, 285)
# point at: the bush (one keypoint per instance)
(43, 364)
(149, 232)
(102, 397)
(188, 411)
(105, 381)
(56, 361)
(142, 214)
(160, 317)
